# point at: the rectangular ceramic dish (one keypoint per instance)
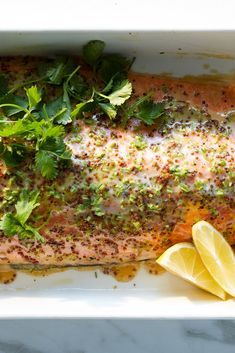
(81, 293)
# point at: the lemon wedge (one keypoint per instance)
(183, 260)
(216, 254)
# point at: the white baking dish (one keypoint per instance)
(80, 293)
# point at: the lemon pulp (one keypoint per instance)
(216, 254)
(183, 260)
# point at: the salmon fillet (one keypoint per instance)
(132, 192)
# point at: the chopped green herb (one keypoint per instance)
(158, 189)
(169, 190)
(222, 163)
(199, 185)
(179, 172)
(184, 187)
(214, 212)
(140, 143)
(154, 207)
(219, 192)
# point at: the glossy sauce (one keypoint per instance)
(153, 268)
(121, 273)
(7, 274)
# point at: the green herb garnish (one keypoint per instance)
(17, 223)
(179, 172)
(140, 143)
(145, 109)
(92, 51)
(33, 128)
(184, 187)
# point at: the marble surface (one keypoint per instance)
(115, 336)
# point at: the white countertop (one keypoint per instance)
(117, 15)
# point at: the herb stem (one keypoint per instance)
(23, 84)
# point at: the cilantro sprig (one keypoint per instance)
(41, 133)
(107, 101)
(145, 109)
(18, 223)
(32, 126)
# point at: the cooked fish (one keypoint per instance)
(132, 191)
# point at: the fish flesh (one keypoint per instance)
(132, 191)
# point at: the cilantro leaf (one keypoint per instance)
(12, 104)
(63, 117)
(77, 87)
(12, 153)
(47, 139)
(46, 164)
(15, 224)
(145, 109)
(108, 109)
(31, 230)
(18, 104)
(39, 124)
(53, 131)
(80, 107)
(121, 93)
(3, 85)
(26, 204)
(56, 71)
(34, 96)
(50, 151)
(10, 225)
(59, 110)
(149, 111)
(113, 64)
(56, 146)
(13, 129)
(92, 51)
(48, 142)
(2, 148)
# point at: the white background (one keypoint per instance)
(117, 14)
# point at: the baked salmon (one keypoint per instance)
(131, 190)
